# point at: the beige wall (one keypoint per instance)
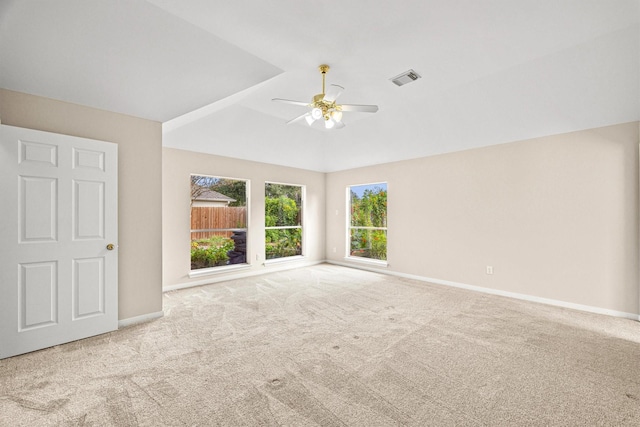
(139, 187)
(178, 165)
(556, 217)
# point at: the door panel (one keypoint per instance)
(88, 287)
(37, 299)
(38, 153)
(38, 209)
(58, 280)
(88, 212)
(88, 159)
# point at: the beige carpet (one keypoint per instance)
(332, 346)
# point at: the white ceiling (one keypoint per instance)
(493, 71)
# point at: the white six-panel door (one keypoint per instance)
(58, 239)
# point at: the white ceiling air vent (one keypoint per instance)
(406, 77)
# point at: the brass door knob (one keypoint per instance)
(110, 247)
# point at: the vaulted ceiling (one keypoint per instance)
(493, 71)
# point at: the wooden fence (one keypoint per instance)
(219, 217)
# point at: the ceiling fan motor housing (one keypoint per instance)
(326, 107)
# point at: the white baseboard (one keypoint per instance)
(524, 297)
(367, 266)
(270, 267)
(140, 319)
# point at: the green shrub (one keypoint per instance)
(283, 243)
(379, 245)
(369, 210)
(282, 211)
(210, 252)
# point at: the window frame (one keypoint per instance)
(303, 245)
(224, 268)
(349, 227)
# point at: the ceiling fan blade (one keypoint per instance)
(298, 118)
(332, 93)
(289, 101)
(359, 108)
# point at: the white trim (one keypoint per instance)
(247, 206)
(284, 259)
(217, 270)
(363, 265)
(303, 210)
(367, 184)
(364, 260)
(139, 319)
(515, 295)
(282, 266)
(289, 184)
(349, 227)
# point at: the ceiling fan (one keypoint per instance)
(323, 105)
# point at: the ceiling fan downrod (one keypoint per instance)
(324, 68)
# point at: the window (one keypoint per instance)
(283, 220)
(368, 221)
(218, 221)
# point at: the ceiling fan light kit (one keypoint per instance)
(323, 105)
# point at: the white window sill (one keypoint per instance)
(376, 262)
(217, 270)
(284, 259)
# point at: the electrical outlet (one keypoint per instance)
(489, 269)
(334, 250)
